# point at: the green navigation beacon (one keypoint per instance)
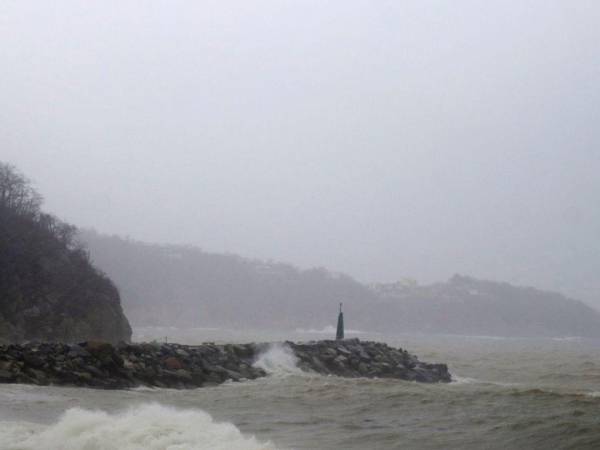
(340, 326)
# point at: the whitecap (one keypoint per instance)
(330, 329)
(146, 427)
(463, 380)
(458, 380)
(568, 339)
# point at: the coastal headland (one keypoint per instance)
(103, 365)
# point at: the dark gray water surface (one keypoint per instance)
(508, 393)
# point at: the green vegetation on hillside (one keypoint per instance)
(48, 288)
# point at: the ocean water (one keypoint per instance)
(507, 394)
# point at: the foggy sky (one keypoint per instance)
(383, 139)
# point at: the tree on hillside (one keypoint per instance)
(16, 192)
(49, 290)
(19, 198)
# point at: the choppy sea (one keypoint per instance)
(507, 394)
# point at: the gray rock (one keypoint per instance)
(318, 366)
(6, 376)
(364, 355)
(99, 364)
(341, 361)
(184, 375)
(84, 376)
(77, 350)
(344, 351)
(232, 374)
(38, 375)
(94, 371)
(33, 360)
(328, 354)
(363, 368)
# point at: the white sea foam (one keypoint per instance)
(147, 427)
(278, 360)
(463, 380)
(458, 380)
(329, 329)
(568, 339)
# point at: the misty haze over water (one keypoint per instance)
(381, 139)
(218, 175)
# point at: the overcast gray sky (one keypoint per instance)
(382, 139)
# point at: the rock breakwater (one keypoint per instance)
(102, 365)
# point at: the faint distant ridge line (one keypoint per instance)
(184, 286)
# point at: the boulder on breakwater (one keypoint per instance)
(102, 365)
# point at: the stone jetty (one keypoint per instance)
(102, 365)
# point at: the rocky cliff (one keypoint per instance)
(49, 290)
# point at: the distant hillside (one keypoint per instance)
(465, 305)
(48, 289)
(185, 286)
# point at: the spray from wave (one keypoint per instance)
(147, 427)
(278, 360)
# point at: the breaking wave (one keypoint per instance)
(147, 427)
(278, 360)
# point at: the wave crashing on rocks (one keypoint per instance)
(278, 360)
